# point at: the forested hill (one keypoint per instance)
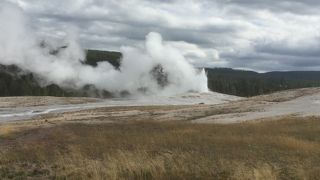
(15, 83)
(224, 80)
(94, 56)
(250, 83)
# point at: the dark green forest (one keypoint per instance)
(250, 83)
(14, 82)
(26, 85)
(223, 80)
(95, 56)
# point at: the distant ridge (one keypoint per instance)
(250, 83)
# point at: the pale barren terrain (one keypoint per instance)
(27, 101)
(192, 107)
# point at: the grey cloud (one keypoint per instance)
(283, 49)
(293, 6)
(272, 62)
(256, 34)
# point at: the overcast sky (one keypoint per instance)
(261, 35)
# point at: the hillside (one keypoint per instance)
(223, 80)
(95, 56)
(14, 82)
(250, 83)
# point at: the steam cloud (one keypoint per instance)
(20, 46)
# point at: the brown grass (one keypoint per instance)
(7, 130)
(285, 149)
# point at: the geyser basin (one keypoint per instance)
(20, 112)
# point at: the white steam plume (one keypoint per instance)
(20, 46)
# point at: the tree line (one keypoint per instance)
(13, 82)
(250, 83)
(223, 80)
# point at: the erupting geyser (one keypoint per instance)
(157, 68)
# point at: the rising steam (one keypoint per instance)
(138, 72)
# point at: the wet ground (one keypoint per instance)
(15, 108)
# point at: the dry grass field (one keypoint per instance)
(284, 149)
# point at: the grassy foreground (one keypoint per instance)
(285, 149)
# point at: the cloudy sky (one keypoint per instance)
(261, 35)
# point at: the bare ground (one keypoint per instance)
(27, 101)
(301, 102)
